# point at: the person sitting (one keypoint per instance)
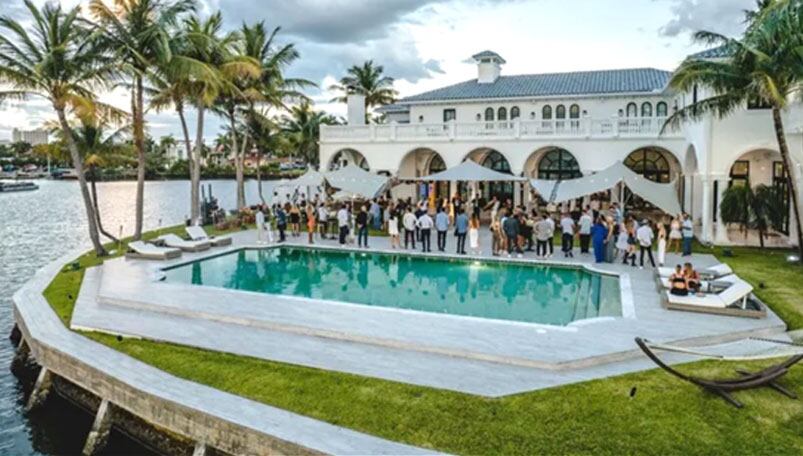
(692, 278)
(677, 283)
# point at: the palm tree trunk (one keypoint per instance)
(259, 177)
(79, 171)
(139, 144)
(194, 203)
(783, 147)
(195, 168)
(92, 180)
(238, 163)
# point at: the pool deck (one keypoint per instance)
(472, 355)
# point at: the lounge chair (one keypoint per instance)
(736, 301)
(142, 251)
(767, 378)
(171, 240)
(197, 233)
(711, 273)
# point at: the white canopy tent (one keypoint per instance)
(356, 182)
(470, 171)
(310, 183)
(663, 196)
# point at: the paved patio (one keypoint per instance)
(477, 356)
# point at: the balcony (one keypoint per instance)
(586, 128)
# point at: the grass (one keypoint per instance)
(663, 416)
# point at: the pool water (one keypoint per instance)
(486, 289)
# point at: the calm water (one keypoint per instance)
(39, 227)
(533, 294)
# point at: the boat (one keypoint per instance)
(7, 187)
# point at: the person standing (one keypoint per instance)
(362, 227)
(410, 228)
(281, 220)
(376, 214)
(661, 244)
(644, 235)
(493, 206)
(474, 235)
(310, 223)
(542, 235)
(295, 220)
(343, 224)
(323, 219)
(599, 236)
(441, 226)
(425, 224)
(260, 222)
(687, 230)
(461, 230)
(550, 242)
(393, 229)
(585, 222)
(567, 239)
(511, 229)
(675, 235)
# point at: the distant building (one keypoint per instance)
(178, 151)
(32, 137)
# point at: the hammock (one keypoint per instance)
(768, 354)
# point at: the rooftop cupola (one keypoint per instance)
(489, 66)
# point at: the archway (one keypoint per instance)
(654, 163)
(493, 159)
(419, 163)
(556, 163)
(346, 157)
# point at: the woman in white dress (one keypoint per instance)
(621, 240)
(661, 244)
(393, 229)
(675, 236)
(474, 235)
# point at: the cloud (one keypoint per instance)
(721, 16)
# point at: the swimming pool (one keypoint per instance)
(500, 290)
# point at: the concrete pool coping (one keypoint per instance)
(553, 357)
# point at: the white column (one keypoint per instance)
(706, 215)
(721, 234)
(517, 193)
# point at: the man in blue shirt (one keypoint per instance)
(461, 229)
(441, 226)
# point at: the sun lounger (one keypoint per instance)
(197, 233)
(171, 240)
(143, 251)
(735, 300)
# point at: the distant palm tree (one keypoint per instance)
(60, 58)
(367, 80)
(139, 33)
(303, 127)
(766, 66)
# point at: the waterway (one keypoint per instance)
(39, 227)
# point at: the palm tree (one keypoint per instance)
(303, 127)
(367, 80)
(59, 58)
(139, 32)
(766, 66)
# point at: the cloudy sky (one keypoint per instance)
(425, 44)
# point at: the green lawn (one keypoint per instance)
(665, 416)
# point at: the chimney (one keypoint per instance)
(489, 66)
(356, 108)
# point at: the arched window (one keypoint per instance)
(632, 110)
(574, 111)
(660, 109)
(650, 163)
(546, 112)
(560, 112)
(489, 115)
(558, 164)
(646, 109)
(501, 114)
(346, 156)
(502, 190)
(515, 113)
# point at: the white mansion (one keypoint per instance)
(566, 125)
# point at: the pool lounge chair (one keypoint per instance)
(142, 251)
(197, 233)
(735, 301)
(171, 240)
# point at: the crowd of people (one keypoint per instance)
(610, 234)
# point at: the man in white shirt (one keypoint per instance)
(323, 220)
(409, 223)
(567, 228)
(585, 222)
(343, 223)
(425, 224)
(260, 221)
(644, 236)
(550, 234)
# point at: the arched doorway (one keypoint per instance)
(348, 156)
(492, 159)
(654, 163)
(419, 163)
(558, 164)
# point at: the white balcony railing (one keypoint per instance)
(612, 127)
